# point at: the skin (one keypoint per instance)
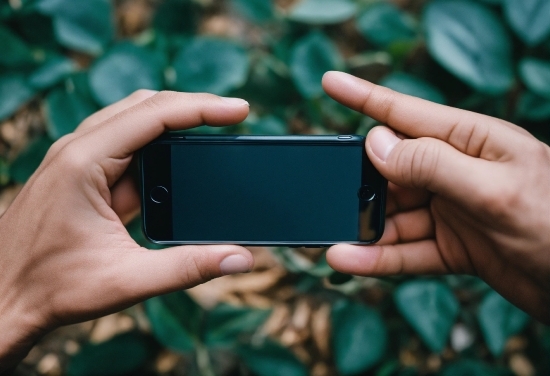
(468, 194)
(66, 256)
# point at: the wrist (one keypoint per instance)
(20, 325)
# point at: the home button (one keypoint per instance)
(159, 194)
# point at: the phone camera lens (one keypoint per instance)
(159, 194)
(366, 193)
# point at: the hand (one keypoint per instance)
(65, 254)
(468, 194)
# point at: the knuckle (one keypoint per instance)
(194, 265)
(73, 159)
(417, 162)
(141, 95)
(385, 99)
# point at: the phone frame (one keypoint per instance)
(158, 171)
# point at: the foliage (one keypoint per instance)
(489, 56)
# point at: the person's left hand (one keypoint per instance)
(65, 254)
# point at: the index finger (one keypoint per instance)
(471, 133)
(123, 134)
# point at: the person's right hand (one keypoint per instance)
(468, 194)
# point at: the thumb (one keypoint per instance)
(150, 273)
(426, 163)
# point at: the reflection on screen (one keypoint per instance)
(265, 192)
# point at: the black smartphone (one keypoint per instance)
(296, 191)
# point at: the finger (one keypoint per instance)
(110, 111)
(129, 130)
(413, 258)
(401, 199)
(408, 227)
(148, 273)
(466, 131)
(125, 199)
(427, 163)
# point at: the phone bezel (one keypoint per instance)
(157, 218)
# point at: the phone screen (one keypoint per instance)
(239, 192)
(261, 190)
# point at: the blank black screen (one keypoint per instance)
(265, 193)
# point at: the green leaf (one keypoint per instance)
(256, 10)
(529, 19)
(30, 158)
(51, 72)
(86, 26)
(176, 320)
(271, 359)
(384, 24)
(533, 107)
(225, 324)
(470, 41)
(124, 354)
(123, 70)
(14, 92)
(210, 65)
(267, 125)
(14, 51)
(359, 337)
(311, 57)
(65, 110)
(411, 85)
(323, 11)
(431, 308)
(536, 75)
(470, 367)
(176, 17)
(499, 320)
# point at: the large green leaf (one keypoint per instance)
(14, 51)
(430, 307)
(323, 11)
(536, 75)
(411, 85)
(123, 70)
(359, 337)
(471, 42)
(176, 320)
(65, 110)
(86, 26)
(30, 158)
(210, 65)
(255, 10)
(51, 72)
(470, 367)
(124, 354)
(529, 19)
(267, 125)
(271, 359)
(14, 92)
(311, 57)
(384, 23)
(499, 320)
(176, 17)
(225, 324)
(531, 106)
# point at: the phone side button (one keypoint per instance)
(159, 194)
(366, 193)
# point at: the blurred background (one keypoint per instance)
(61, 60)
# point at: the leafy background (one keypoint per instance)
(61, 60)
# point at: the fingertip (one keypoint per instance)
(380, 142)
(352, 259)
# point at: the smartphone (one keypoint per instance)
(295, 191)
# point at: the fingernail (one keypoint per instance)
(234, 264)
(236, 101)
(382, 142)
